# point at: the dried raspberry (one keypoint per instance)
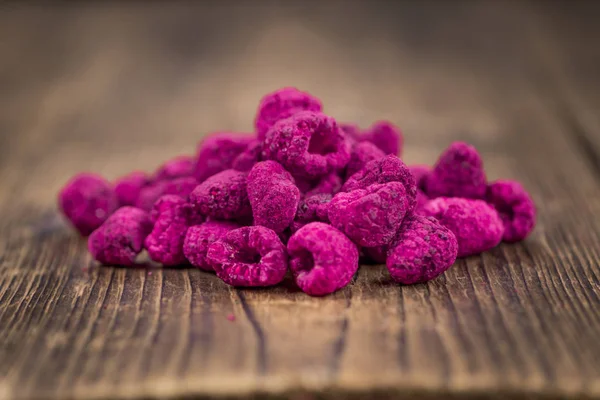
(420, 173)
(361, 154)
(217, 153)
(282, 104)
(310, 209)
(515, 207)
(222, 196)
(246, 160)
(273, 196)
(87, 200)
(181, 187)
(457, 173)
(165, 242)
(384, 135)
(121, 237)
(370, 217)
(352, 131)
(177, 167)
(475, 224)
(423, 250)
(249, 256)
(422, 199)
(329, 184)
(307, 144)
(199, 237)
(128, 187)
(387, 169)
(322, 259)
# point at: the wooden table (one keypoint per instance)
(110, 87)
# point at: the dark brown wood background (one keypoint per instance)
(109, 87)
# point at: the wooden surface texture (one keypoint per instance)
(111, 87)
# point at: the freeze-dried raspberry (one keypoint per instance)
(352, 131)
(181, 187)
(515, 207)
(120, 238)
(384, 135)
(387, 169)
(165, 242)
(199, 237)
(420, 173)
(322, 259)
(246, 160)
(87, 200)
(329, 184)
(310, 209)
(475, 224)
(457, 173)
(273, 195)
(217, 153)
(128, 187)
(282, 104)
(177, 167)
(222, 196)
(308, 144)
(249, 256)
(423, 250)
(422, 199)
(370, 217)
(361, 154)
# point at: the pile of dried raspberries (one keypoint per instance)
(304, 194)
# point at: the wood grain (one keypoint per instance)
(113, 87)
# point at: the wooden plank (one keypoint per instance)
(521, 320)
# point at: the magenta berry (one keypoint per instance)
(165, 242)
(310, 209)
(457, 173)
(273, 195)
(307, 144)
(177, 167)
(128, 187)
(181, 187)
(370, 217)
(515, 207)
(246, 159)
(87, 200)
(198, 239)
(352, 131)
(423, 250)
(282, 104)
(475, 224)
(386, 136)
(329, 184)
(361, 154)
(420, 173)
(422, 199)
(322, 258)
(218, 151)
(120, 238)
(387, 169)
(249, 256)
(222, 196)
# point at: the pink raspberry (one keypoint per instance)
(181, 187)
(361, 154)
(198, 239)
(352, 131)
(310, 209)
(128, 187)
(273, 195)
(422, 199)
(384, 135)
(246, 159)
(387, 169)
(370, 217)
(87, 200)
(165, 242)
(178, 167)
(222, 196)
(282, 104)
(423, 250)
(218, 151)
(420, 173)
(457, 173)
(515, 206)
(308, 144)
(475, 224)
(328, 184)
(322, 259)
(249, 256)
(120, 238)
